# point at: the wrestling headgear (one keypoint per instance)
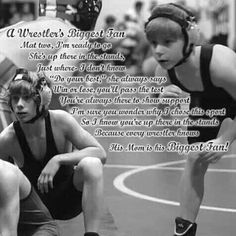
(185, 19)
(82, 14)
(40, 90)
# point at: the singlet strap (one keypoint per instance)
(51, 144)
(22, 140)
(51, 148)
(205, 59)
(174, 80)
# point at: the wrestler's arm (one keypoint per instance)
(170, 90)
(84, 142)
(9, 189)
(6, 143)
(13, 185)
(9, 198)
(223, 73)
(86, 146)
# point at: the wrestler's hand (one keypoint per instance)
(45, 180)
(212, 156)
(171, 91)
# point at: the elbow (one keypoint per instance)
(103, 155)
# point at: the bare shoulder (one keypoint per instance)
(59, 115)
(64, 123)
(221, 52)
(61, 118)
(9, 175)
(8, 134)
(223, 65)
(7, 141)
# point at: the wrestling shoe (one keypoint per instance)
(184, 227)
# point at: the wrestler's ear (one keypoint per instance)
(43, 89)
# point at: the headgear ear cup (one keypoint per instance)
(194, 34)
(43, 90)
(45, 94)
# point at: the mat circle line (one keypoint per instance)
(120, 185)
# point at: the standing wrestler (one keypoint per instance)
(208, 74)
(68, 181)
(56, 17)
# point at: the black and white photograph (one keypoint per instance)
(117, 118)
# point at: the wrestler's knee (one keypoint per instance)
(91, 168)
(226, 124)
(8, 172)
(195, 164)
(9, 179)
(193, 158)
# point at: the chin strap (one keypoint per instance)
(186, 56)
(38, 115)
